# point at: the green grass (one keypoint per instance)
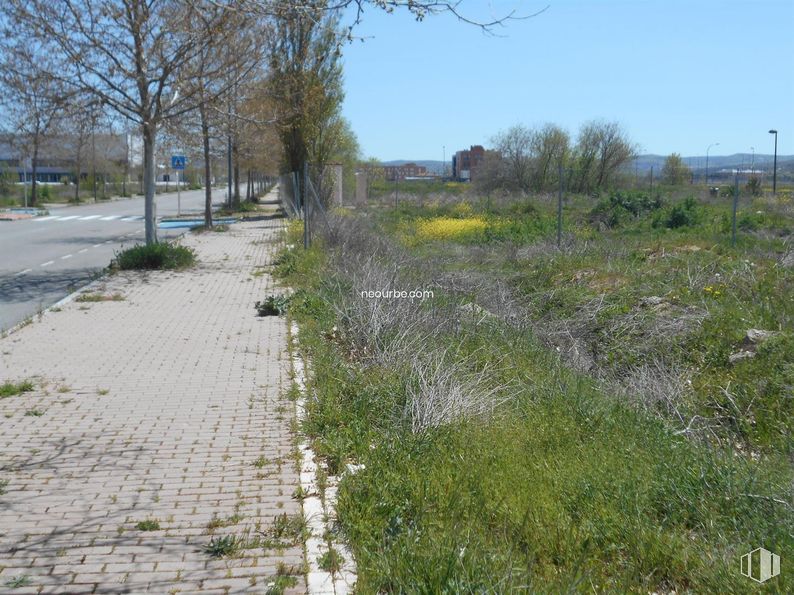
(160, 256)
(99, 297)
(214, 228)
(571, 485)
(10, 389)
(148, 525)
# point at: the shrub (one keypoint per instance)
(754, 186)
(614, 210)
(155, 257)
(684, 214)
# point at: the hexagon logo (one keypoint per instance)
(760, 565)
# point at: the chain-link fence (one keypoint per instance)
(305, 196)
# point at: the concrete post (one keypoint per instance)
(361, 189)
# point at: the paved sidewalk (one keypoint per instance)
(170, 406)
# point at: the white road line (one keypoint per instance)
(83, 250)
(128, 219)
(68, 218)
(48, 263)
(108, 241)
(20, 273)
(50, 218)
(90, 217)
(65, 257)
(111, 218)
(96, 245)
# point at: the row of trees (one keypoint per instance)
(257, 79)
(527, 160)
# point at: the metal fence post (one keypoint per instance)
(559, 211)
(304, 197)
(735, 206)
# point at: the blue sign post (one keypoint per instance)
(178, 164)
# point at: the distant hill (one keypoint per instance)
(643, 163)
(762, 162)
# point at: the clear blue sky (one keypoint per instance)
(677, 74)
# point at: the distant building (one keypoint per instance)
(466, 162)
(56, 162)
(400, 172)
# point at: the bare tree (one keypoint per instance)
(129, 54)
(550, 147)
(514, 146)
(33, 101)
(601, 150)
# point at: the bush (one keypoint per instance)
(613, 211)
(684, 214)
(754, 186)
(155, 257)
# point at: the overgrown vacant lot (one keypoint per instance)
(613, 415)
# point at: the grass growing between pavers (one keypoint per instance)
(11, 389)
(574, 479)
(99, 297)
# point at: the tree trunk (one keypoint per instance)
(205, 136)
(34, 168)
(236, 174)
(150, 206)
(77, 165)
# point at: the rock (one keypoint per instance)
(740, 355)
(472, 309)
(755, 336)
(653, 300)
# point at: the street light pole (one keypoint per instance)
(774, 167)
(707, 160)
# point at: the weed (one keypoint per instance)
(64, 389)
(272, 305)
(17, 582)
(99, 297)
(102, 391)
(217, 522)
(148, 525)
(261, 462)
(205, 229)
(224, 547)
(163, 255)
(3, 486)
(331, 561)
(34, 412)
(10, 389)
(289, 528)
(280, 582)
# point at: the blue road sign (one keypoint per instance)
(178, 161)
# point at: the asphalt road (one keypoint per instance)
(44, 259)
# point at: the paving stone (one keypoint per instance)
(191, 382)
